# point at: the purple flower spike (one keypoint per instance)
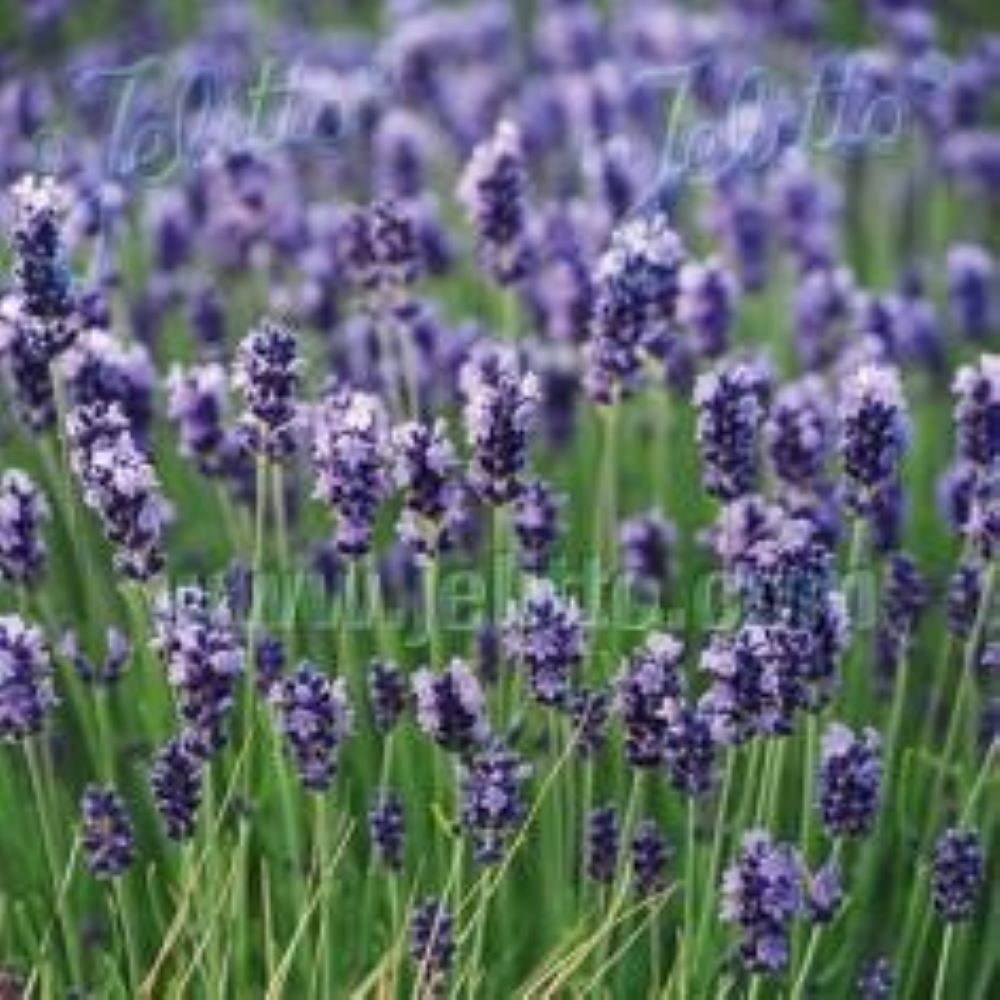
(108, 836)
(387, 829)
(706, 305)
(197, 407)
(873, 434)
(536, 524)
(545, 633)
(800, 434)
(977, 413)
(176, 780)
(603, 844)
(850, 781)
(23, 514)
(267, 374)
(432, 945)
(731, 402)
(970, 277)
(315, 716)
(647, 542)
(763, 892)
(351, 457)
(650, 676)
(451, 707)
(27, 695)
(958, 874)
(501, 404)
(492, 190)
(121, 486)
(492, 800)
(204, 659)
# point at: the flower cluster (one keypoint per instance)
(536, 524)
(387, 829)
(23, 513)
(27, 694)
(120, 484)
(958, 873)
(545, 633)
(176, 781)
(850, 781)
(647, 543)
(650, 677)
(315, 717)
(108, 836)
(432, 945)
(451, 707)
(492, 802)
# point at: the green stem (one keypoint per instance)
(942, 969)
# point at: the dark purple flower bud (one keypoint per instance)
(603, 844)
(395, 249)
(849, 788)
(387, 830)
(970, 277)
(432, 946)
(905, 595)
(176, 780)
(977, 412)
(27, 370)
(388, 694)
(425, 466)
(492, 190)
(269, 662)
(545, 634)
(638, 284)
(108, 837)
(762, 893)
(647, 542)
(451, 707)
(590, 711)
(120, 484)
(197, 406)
(109, 671)
(649, 858)
(649, 677)
(266, 372)
(204, 660)
(873, 433)
(402, 148)
(731, 403)
(799, 434)
(741, 221)
(824, 892)
(351, 455)
(688, 747)
(315, 716)
(707, 304)
(27, 694)
(492, 800)
(536, 524)
(876, 981)
(208, 320)
(500, 409)
(958, 874)
(23, 514)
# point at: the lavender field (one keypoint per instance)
(500, 499)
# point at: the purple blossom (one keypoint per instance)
(876, 981)
(197, 406)
(603, 844)
(971, 273)
(451, 707)
(176, 780)
(590, 711)
(647, 542)
(707, 304)
(492, 190)
(27, 694)
(500, 408)
(106, 673)
(545, 633)
(799, 434)
(23, 515)
(649, 677)
(763, 891)
(492, 800)
(977, 412)
(387, 830)
(108, 836)
(266, 372)
(351, 456)
(202, 652)
(315, 717)
(958, 873)
(873, 433)
(649, 858)
(388, 694)
(731, 402)
(849, 788)
(824, 892)
(688, 747)
(432, 945)
(120, 484)
(536, 524)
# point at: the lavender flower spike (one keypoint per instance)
(977, 412)
(176, 780)
(451, 707)
(315, 717)
(958, 873)
(873, 434)
(27, 694)
(108, 834)
(492, 800)
(500, 408)
(351, 455)
(267, 373)
(23, 513)
(850, 781)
